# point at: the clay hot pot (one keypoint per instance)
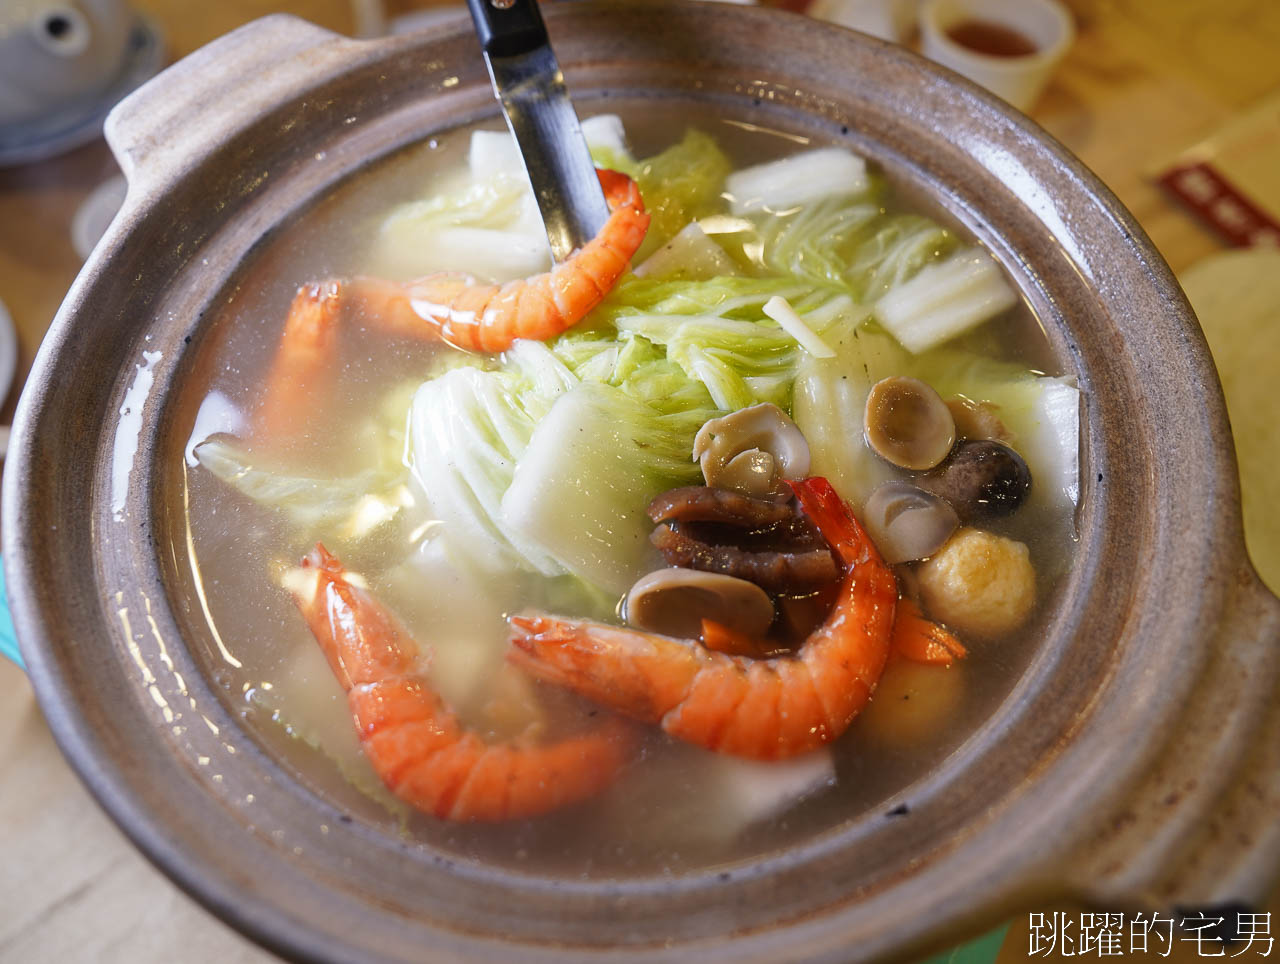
(1136, 763)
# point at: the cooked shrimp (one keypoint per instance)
(760, 708)
(915, 637)
(451, 307)
(415, 742)
(490, 317)
(302, 361)
(921, 640)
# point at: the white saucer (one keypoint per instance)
(81, 123)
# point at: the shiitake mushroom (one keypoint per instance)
(752, 450)
(983, 479)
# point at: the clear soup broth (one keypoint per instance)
(353, 473)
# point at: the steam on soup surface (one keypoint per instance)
(779, 285)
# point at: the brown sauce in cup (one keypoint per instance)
(990, 38)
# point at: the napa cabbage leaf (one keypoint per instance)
(1040, 413)
(484, 220)
(544, 460)
(851, 243)
(679, 185)
(718, 333)
(518, 460)
(356, 513)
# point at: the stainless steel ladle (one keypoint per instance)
(528, 82)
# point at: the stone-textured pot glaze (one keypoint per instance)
(1136, 763)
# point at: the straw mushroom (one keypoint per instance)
(752, 450)
(906, 523)
(908, 424)
(675, 601)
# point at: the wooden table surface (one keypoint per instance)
(1144, 79)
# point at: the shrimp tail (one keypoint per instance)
(921, 640)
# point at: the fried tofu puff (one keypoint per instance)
(980, 584)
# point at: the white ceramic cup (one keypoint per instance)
(1046, 24)
(887, 19)
(55, 54)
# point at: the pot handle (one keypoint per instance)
(1201, 830)
(209, 94)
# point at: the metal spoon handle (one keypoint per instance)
(528, 82)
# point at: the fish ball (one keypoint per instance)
(980, 584)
